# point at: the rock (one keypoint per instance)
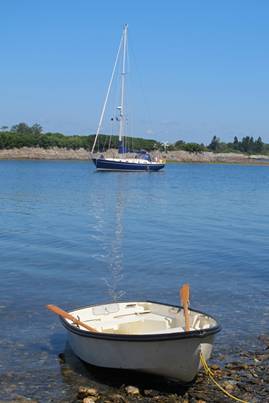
(92, 391)
(117, 398)
(132, 390)
(215, 367)
(262, 357)
(90, 399)
(151, 393)
(249, 398)
(253, 373)
(229, 385)
(87, 392)
(236, 366)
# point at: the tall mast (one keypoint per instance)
(123, 73)
(107, 95)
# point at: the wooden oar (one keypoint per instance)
(185, 300)
(67, 315)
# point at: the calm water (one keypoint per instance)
(70, 236)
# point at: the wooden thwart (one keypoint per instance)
(67, 315)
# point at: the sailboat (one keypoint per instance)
(123, 161)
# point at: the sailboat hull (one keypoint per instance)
(128, 166)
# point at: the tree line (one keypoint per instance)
(23, 135)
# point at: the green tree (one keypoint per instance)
(36, 129)
(259, 145)
(179, 145)
(215, 144)
(247, 144)
(21, 128)
(235, 143)
(194, 147)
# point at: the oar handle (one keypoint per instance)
(185, 300)
(67, 315)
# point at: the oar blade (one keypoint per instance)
(185, 300)
(185, 294)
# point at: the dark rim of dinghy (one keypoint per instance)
(144, 337)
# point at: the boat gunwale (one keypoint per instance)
(202, 333)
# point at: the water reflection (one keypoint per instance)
(109, 233)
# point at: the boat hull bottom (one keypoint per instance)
(174, 359)
(110, 165)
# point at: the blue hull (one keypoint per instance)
(110, 165)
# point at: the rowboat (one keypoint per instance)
(143, 336)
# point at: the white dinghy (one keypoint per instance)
(146, 336)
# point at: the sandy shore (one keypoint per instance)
(55, 153)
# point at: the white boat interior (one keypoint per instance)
(140, 318)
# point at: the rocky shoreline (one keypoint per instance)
(247, 378)
(244, 375)
(55, 153)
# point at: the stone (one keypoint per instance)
(262, 357)
(84, 391)
(92, 391)
(117, 398)
(215, 367)
(151, 392)
(236, 366)
(229, 385)
(90, 399)
(132, 390)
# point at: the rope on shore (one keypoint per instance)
(211, 376)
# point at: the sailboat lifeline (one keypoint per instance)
(140, 161)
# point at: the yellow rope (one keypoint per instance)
(211, 376)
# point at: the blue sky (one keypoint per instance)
(202, 66)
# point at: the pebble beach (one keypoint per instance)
(244, 375)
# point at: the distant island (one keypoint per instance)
(22, 141)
